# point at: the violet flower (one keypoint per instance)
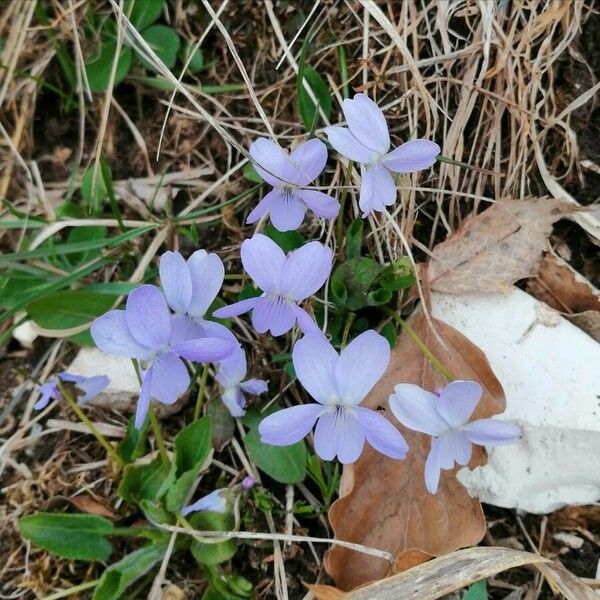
(215, 501)
(284, 280)
(144, 331)
(86, 388)
(231, 373)
(366, 140)
(338, 383)
(445, 416)
(289, 174)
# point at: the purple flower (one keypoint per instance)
(445, 416)
(147, 332)
(285, 281)
(231, 373)
(289, 174)
(215, 501)
(338, 383)
(86, 388)
(248, 483)
(366, 140)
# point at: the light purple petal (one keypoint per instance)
(305, 270)
(360, 366)
(432, 467)
(273, 314)
(305, 322)
(415, 408)
(48, 391)
(491, 432)
(458, 400)
(367, 123)
(237, 308)
(458, 446)
(204, 349)
(339, 434)
(446, 451)
(347, 145)
(207, 273)
(91, 387)
(148, 317)
(175, 281)
(214, 502)
(215, 330)
(275, 160)
(377, 190)
(111, 334)
(255, 387)
(321, 204)
(64, 376)
(412, 156)
(381, 434)
(170, 378)
(290, 425)
(263, 260)
(287, 212)
(234, 400)
(309, 159)
(143, 403)
(232, 369)
(314, 360)
(274, 196)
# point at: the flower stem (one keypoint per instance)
(73, 590)
(349, 322)
(339, 236)
(92, 429)
(158, 436)
(201, 391)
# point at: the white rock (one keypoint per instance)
(25, 334)
(550, 371)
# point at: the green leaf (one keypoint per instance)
(286, 240)
(79, 537)
(95, 197)
(249, 291)
(197, 61)
(120, 575)
(133, 445)
(69, 308)
(355, 276)
(143, 12)
(478, 591)
(388, 331)
(397, 276)
(144, 482)
(212, 554)
(379, 297)
(250, 173)
(308, 110)
(155, 511)
(354, 238)
(165, 43)
(99, 67)
(192, 448)
(85, 234)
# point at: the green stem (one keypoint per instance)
(158, 437)
(340, 219)
(349, 322)
(201, 391)
(73, 590)
(92, 429)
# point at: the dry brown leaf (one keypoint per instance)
(452, 572)
(495, 248)
(386, 505)
(88, 505)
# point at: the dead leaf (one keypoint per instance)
(88, 505)
(386, 505)
(495, 248)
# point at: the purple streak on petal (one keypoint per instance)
(305, 270)
(366, 122)
(347, 145)
(287, 213)
(237, 308)
(381, 434)
(148, 317)
(176, 281)
(111, 334)
(255, 387)
(305, 322)
(204, 349)
(214, 502)
(458, 400)
(314, 360)
(273, 197)
(275, 315)
(207, 273)
(143, 403)
(270, 155)
(91, 387)
(170, 378)
(491, 432)
(309, 159)
(360, 366)
(415, 408)
(290, 425)
(48, 391)
(339, 434)
(321, 204)
(377, 190)
(412, 156)
(263, 260)
(458, 445)
(234, 400)
(432, 467)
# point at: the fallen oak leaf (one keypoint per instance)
(495, 248)
(386, 505)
